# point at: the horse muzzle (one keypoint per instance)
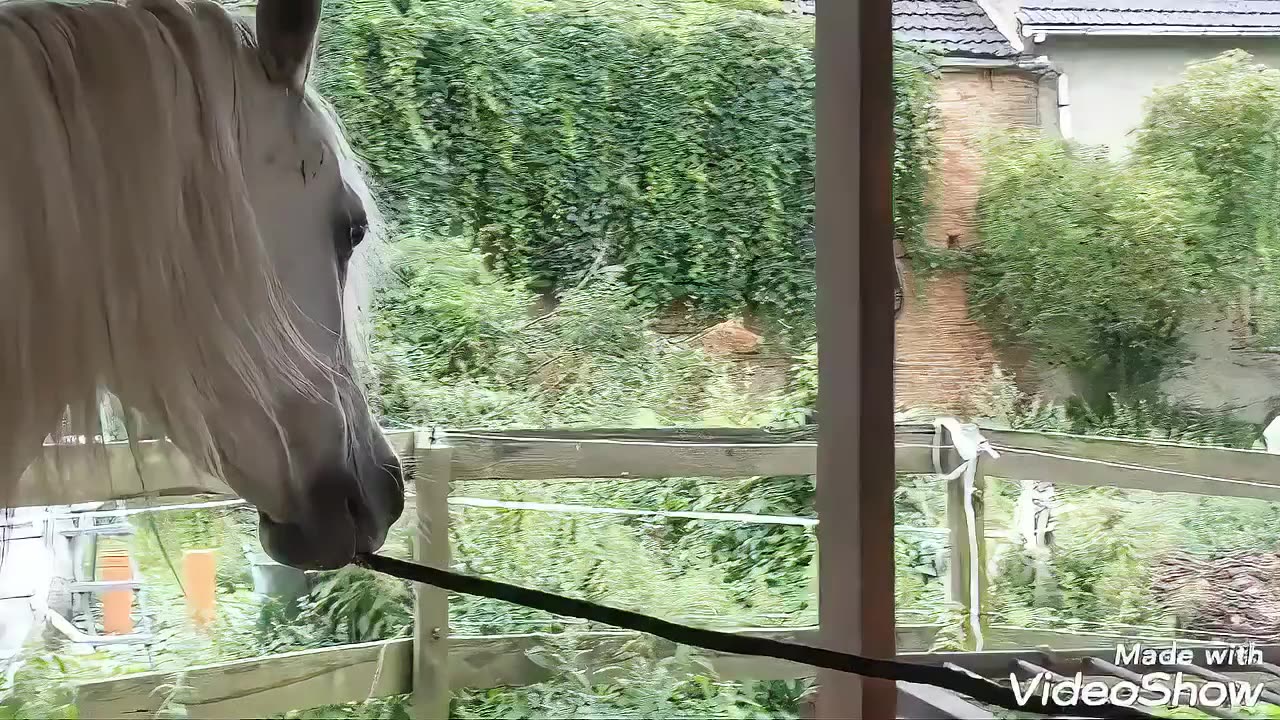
(344, 512)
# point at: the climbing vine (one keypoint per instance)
(671, 140)
(916, 123)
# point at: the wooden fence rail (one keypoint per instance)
(263, 686)
(433, 663)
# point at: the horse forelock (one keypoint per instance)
(128, 248)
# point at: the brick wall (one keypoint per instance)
(942, 356)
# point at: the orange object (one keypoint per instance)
(199, 570)
(117, 605)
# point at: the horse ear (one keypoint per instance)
(286, 38)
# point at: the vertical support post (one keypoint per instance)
(854, 223)
(1033, 517)
(967, 534)
(433, 474)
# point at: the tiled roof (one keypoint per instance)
(957, 27)
(1154, 15)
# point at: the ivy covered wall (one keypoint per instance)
(670, 140)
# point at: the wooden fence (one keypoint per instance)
(434, 662)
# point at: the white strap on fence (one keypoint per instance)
(969, 445)
(971, 526)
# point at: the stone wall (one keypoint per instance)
(942, 356)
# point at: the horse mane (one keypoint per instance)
(129, 253)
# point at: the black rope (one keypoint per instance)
(977, 688)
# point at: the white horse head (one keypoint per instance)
(178, 218)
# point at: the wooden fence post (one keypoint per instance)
(432, 477)
(967, 531)
(959, 464)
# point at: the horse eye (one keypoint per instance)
(357, 232)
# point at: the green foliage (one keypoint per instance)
(1100, 264)
(630, 686)
(662, 566)
(1139, 413)
(1086, 261)
(916, 122)
(1149, 416)
(798, 405)
(673, 140)
(1221, 124)
(457, 345)
(354, 605)
(41, 691)
(1004, 404)
(1106, 543)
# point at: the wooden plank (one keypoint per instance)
(877, 286)
(94, 473)
(70, 474)
(1104, 667)
(110, 471)
(264, 686)
(913, 454)
(99, 530)
(165, 504)
(925, 702)
(258, 687)
(434, 476)
(523, 458)
(1011, 637)
(967, 568)
(1025, 669)
(913, 639)
(72, 633)
(806, 434)
(997, 663)
(684, 436)
(1152, 465)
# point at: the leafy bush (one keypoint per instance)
(1085, 261)
(1101, 264)
(1221, 124)
(353, 605)
(457, 345)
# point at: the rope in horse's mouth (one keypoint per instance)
(977, 688)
